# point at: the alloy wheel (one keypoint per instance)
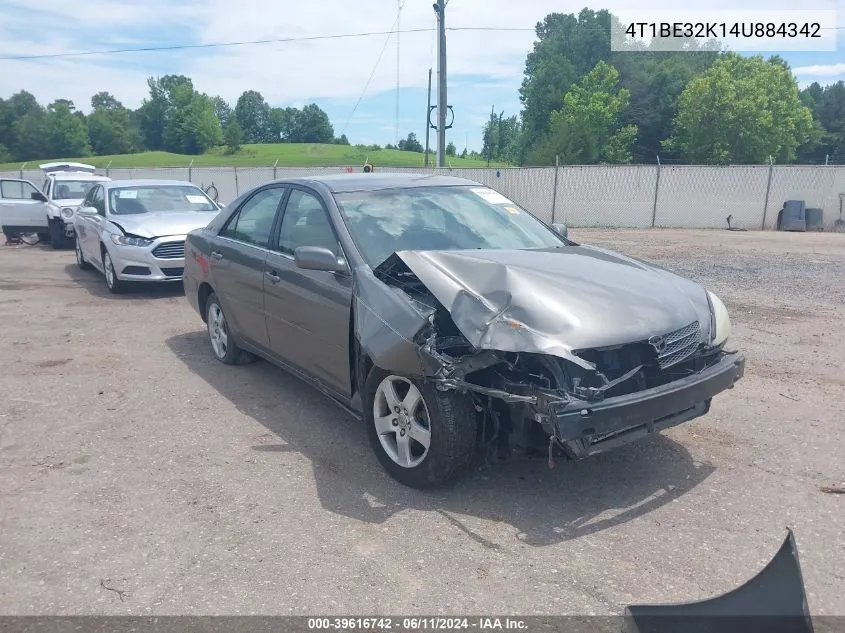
(218, 331)
(401, 421)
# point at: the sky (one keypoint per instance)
(485, 68)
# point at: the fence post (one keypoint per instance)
(237, 191)
(274, 168)
(21, 170)
(190, 170)
(554, 191)
(656, 192)
(108, 173)
(768, 189)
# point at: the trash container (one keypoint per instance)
(815, 219)
(793, 216)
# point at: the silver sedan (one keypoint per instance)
(134, 230)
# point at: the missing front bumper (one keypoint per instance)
(587, 428)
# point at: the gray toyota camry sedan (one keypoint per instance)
(453, 322)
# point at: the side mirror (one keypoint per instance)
(318, 258)
(86, 211)
(561, 228)
(37, 195)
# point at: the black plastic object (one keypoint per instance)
(793, 216)
(774, 601)
(815, 219)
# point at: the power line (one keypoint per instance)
(281, 40)
(370, 79)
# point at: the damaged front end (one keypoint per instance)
(520, 348)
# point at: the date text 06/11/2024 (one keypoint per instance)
(402, 624)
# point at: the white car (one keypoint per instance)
(134, 230)
(65, 186)
(48, 212)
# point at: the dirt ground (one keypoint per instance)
(140, 476)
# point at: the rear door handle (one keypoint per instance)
(217, 255)
(272, 277)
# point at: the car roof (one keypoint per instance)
(141, 182)
(77, 175)
(343, 183)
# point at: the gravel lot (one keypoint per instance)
(131, 460)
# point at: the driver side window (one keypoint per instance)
(305, 223)
(254, 220)
(97, 200)
(17, 190)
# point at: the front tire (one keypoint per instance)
(80, 258)
(115, 285)
(58, 239)
(423, 437)
(223, 344)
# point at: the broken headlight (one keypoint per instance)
(720, 322)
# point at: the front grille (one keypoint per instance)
(173, 272)
(680, 345)
(170, 250)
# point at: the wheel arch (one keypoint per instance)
(204, 291)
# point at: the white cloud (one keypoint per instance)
(820, 70)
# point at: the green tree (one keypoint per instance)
(567, 47)
(741, 110)
(233, 136)
(451, 150)
(501, 138)
(411, 144)
(655, 81)
(284, 124)
(252, 114)
(828, 107)
(193, 126)
(589, 128)
(67, 135)
(22, 126)
(342, 140)
(223, 111)
(313, 125)
(112, 128)
(154, 113)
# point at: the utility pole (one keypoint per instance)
(428, 119)
(440, 10)
(490, 135)
(398, 35)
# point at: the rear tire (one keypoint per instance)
(223, 344)
(44, 238)
(446, 420)
(58, 239)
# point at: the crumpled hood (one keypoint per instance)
(72, 203)
(163, 223)
(558, 300)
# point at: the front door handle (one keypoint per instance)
(272, 277)
(217, 255)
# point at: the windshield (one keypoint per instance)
(439, 218)
(158, 199)
(71, 189)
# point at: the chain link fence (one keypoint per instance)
(623, 196)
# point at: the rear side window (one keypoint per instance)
(253, 222)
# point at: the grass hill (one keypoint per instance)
(288, 154)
